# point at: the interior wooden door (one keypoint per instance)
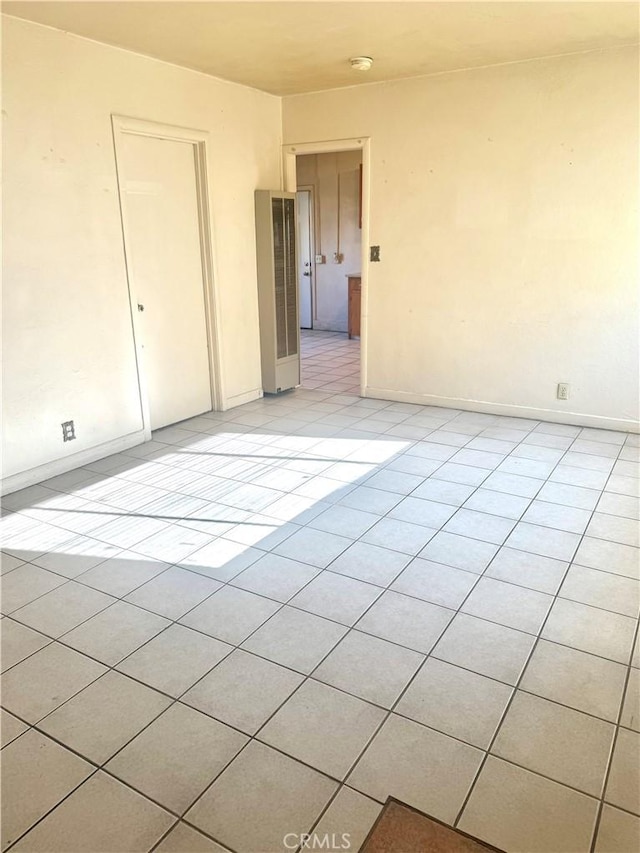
(164, 257)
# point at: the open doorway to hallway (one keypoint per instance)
(329, 192)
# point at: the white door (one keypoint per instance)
(162, 237)
(305, 258)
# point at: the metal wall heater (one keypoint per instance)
(277, 290)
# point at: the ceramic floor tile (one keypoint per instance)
(399, 535)
(295, 639)
(570, 496)
(559, 517)
(514, 809)
(419, 511)
(63, 608)
(369, 500)
(526, 467)
(36, 774)
(558, 742)
(456, 702)
(243, 690)
(175, 659)
(590, 629)
(623, 786)
(497, 503)
(508, 604)
(513, 484)
(602, 589)
(630, 717)
(443, 491)
(369, 667)
(435, 582)
(19, 642)
(281, 795)
(102, 814)
(191, 748)
(222, 559)
(185, 839)
(618, 832)
(104, 716)
(314, 547)
(484, 647)
(467, 475)
(323, 727)
(394, 765)
(621, 505)
(122, 574)
(348, 819)
(334, 596)
(45, 680)
(230, 614)
(114, 633)
(173, 593)
(459, 552)
(609, 556)
(275, 577)
(545, 541)
(370, 563)
(345, 521)
(76, 556)
(614, 529)
(10, 727)
(25, 584)
(407, 621)
(577, 679)
(480, 525)
(394, 481)
(543, 574)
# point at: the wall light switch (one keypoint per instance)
(320, 259)
(374, 253)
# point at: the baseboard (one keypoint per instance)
(241, 399)
(506, 410)
(15, 482)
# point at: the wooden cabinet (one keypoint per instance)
(354, 305)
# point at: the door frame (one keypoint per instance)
(362, 143)
(125, 125)
(312, 239)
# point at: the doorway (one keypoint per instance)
(161, 179)
(329, 192)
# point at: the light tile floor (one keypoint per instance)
(330, 361)
(266, 621)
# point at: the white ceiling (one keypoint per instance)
(293, 47)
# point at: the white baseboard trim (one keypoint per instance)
(21, 480)
(506, 410)
(241, 399)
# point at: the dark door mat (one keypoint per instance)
(401, 829)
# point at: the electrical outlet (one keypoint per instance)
(320, 259)
(68, 431)
(563, 391)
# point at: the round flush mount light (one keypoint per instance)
(361, 63)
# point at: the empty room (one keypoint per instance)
(320, 400)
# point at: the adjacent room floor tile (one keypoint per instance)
(281, 795)
(515, 809)
(104, 716)
(631, 708)
(602, 589)
(508, 604)
(10, 727)
(456, 702)
(185, 839)
(544, 541)
(484, 647)
(407, 621)
(459, 552)
(115, 632)
(345, 521)
(394, 765)
(558, 742)
(102, 814)
(25, 584)
(36, 774)
(231, 614)
(399, 535)
(577, 679)
(370, 563)
(175, 659)
(123, 573)
(609, 556)
(559, 517)
(222, 559)
(350, 814)
(480, 525)
(618, 831)
(497, 503)
(45, 680)
(590, 629)
(543, 574)
(190, 748)
(323, 727)
(314, 547)
(63, 608)
(243, 690)
(295, 639)
(276, 577)
(419, 511)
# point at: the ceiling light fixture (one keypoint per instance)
(361, 63)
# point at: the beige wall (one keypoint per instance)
(68, 348)
(505, 203)
(323, 172)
